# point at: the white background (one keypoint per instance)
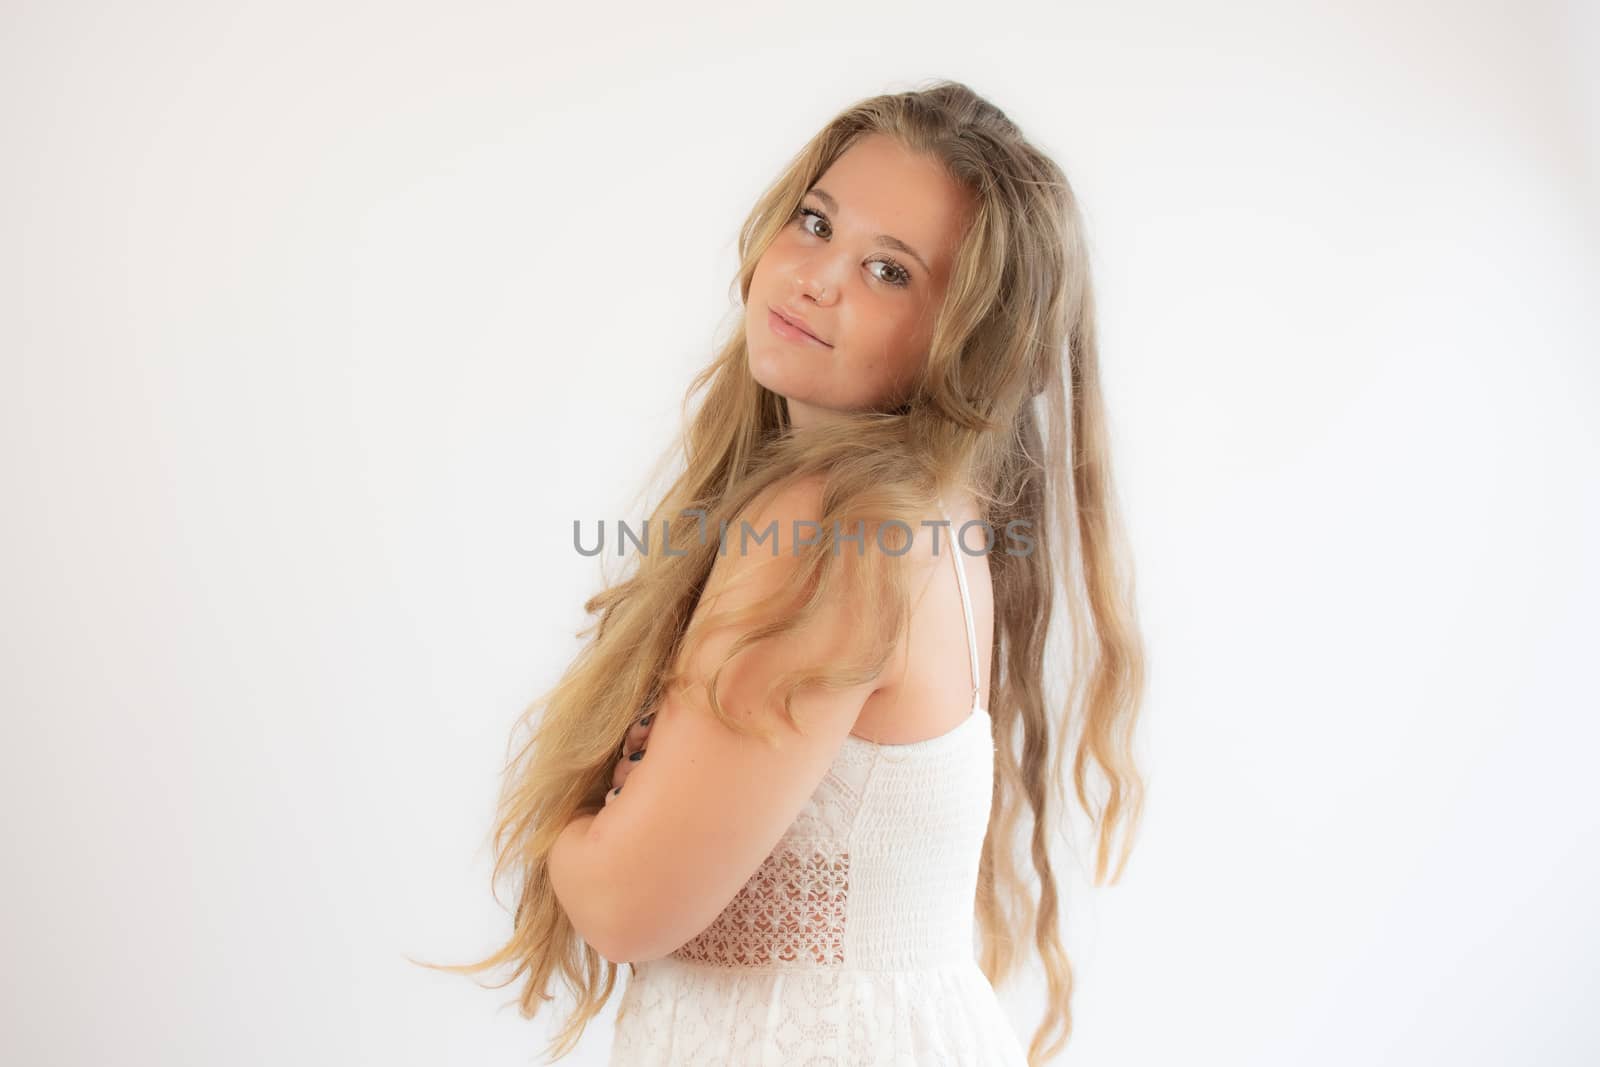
(321, 323)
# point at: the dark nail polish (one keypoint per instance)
(646, 720)
(637, 756)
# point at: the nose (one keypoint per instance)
(820, 276)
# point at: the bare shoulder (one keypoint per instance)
(761, 546)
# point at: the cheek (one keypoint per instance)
(777, 259)
(766, 283)
(894, 340)
(903, 348)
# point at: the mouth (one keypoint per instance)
(785, 327)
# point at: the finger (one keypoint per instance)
(639, 731)
(619, 774)
(627, 762)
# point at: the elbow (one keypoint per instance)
(650, 920)
(625, 925)
(592, 899)
(595, 918)
(612, 945)
(634, 943)
(626, 932)
(621, 909)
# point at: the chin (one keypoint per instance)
(768, 370)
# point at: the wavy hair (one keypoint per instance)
(1007, 408)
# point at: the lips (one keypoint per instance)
(798, 323)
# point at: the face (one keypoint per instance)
(863, 266)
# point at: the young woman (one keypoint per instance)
(783, 780)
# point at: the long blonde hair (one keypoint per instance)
(1007, 408)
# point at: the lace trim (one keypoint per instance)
(792, 910)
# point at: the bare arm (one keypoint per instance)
(662, 859)
(585, 887)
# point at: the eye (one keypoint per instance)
(897, 275)
(806, 211)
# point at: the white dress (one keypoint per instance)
(853, 944)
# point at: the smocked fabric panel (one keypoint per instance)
(915, 844)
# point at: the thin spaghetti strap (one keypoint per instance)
(966, 601)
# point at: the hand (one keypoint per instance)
(633, 746)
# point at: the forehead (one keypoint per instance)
(883, 188)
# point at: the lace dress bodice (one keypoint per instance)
(853, 942)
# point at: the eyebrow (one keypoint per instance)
(883, 238)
